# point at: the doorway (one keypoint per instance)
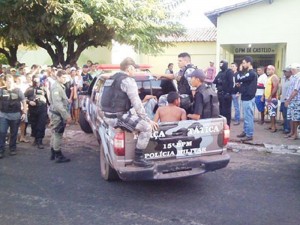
(259, 60)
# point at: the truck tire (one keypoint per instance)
(107, 172)
(84, 125)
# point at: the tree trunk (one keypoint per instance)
(57, 55)
(72, 54)
(13, 55)
(49, 49)
(10, 54)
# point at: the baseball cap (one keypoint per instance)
(85, 66)
(198, 73)
(287, 69)
(295, 66)
(72, 68)
(13, 70)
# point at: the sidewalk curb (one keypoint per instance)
(237, 145)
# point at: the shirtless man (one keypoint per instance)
(172, 112)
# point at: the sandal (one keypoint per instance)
(292, 138)
(288, 136)
(273, 131)
(24, 140)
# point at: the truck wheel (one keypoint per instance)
(107, 172)
(84, 125)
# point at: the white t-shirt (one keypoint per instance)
(78, 81)
(261, 84)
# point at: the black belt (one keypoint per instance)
(113, 115)
(223, 93)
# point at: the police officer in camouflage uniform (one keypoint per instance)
(37, 104)
(123, 108)
(12, 101)
(59, 116)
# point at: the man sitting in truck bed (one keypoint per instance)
(172, 112)
(149, 102)
(123, 107)
(206, 104)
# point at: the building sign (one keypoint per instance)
(254, 50)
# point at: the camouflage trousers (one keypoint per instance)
(137, 124)
(58, 127)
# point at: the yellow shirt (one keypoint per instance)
(269, 88)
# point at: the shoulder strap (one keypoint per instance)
(118, 76)
(188, 67)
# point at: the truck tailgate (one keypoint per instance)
(189, 138)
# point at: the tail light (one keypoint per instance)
(226, 134)
(119, 144)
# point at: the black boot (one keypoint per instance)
(52, 157)
(34, 142)
(40, 143)
(12, 152)
(139, 159)
(60, 158)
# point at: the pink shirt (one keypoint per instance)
(210, 73)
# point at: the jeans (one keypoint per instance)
(14, 127)
(235, 103)
(248, 109)
(286, 122)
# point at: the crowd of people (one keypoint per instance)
(40, 95)
(35, 95)
(266, 91)
(240, 86)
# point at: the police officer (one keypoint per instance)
(123, 108)
(224, 85)
(37, 105)
(206, 103)
(182, 77)
(12, 102)
(59, 116)
(186, 68)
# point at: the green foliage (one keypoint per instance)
(3, 59)
(75, 25)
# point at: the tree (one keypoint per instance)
(3, 59)
(64, 28)
(8, 44)
(10, 54)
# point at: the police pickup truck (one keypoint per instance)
(178, 149)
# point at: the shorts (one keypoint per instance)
(259, 104)
(272, 107)
(75, 103)
(80, 100)
(293, 111)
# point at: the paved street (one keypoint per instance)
(256, 188)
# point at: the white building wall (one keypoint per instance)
(40, 56)
(201, 53)
(263, 23)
